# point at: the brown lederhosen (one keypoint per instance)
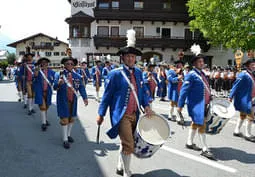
(126, 133)
(173, 103)
(67, 120)
(30, 93)
(44, 106)
(19, 85)
(250, 117)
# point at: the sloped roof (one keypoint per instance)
(14, 44)
(80, 17)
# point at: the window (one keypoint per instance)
(167, 5)
(48, 54)
(42, 43)
(188, 35)
(75, 31)
(56, 43)
(63, 53)
(47, 43)
(56, 53)
(102, 30)
(104, 4)
(21, 53)
(114, 31)
(139, 31)
(115, 4)
(166, 33)
(85, 31)
(138, 5)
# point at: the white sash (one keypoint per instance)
(133, 89)
(46, 79)
(206, 87)
(70, 85)
(29, 69)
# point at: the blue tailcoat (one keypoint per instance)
(93, 73)
(62, 104)
(194, 90)
(85, 77)
(116, 97)
(162, 90)
(172, 78)
(105, 73)
(146, 83)
(38, 85)
(241, 92)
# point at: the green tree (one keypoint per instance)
(227, 22)
(11, 58)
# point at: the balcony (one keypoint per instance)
(141, 15)
(151, 42)
(43, 47)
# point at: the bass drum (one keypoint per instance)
(151, 133)
(221, 111)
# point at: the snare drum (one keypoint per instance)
(221, 111)
(150, 135)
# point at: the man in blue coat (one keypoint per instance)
(68, 83)
(106, 70)
(84, 72)
(96, 73)
(243, 93)
(197, 92)
(44, 78)
(124, 109)
(174, 77)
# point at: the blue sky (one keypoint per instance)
(22, 18)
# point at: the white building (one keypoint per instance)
(3, 55)
(98, 28)
(42, 46)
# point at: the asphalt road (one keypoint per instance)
(26, 151)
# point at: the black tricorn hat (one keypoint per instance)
(41, 59)
(129, 50)
(249, 61)
(28, 52)
(196, 57)
(65, 59)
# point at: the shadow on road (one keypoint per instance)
(159, 173)
(228, 153)
(29, 152)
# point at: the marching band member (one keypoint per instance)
(150, 80)
(106, 70)
(96, 72)
(243, 93)
(162, 87)
(68, 83)
(197, 92)
(44, 78)
(123, 86)
(175, 79)
(217, 81)
(84, 72)
(231, 78)
(18, 78)
(29, 76)
(225, 82)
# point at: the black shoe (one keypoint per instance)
(29, 113)
(181, 122)
(251, 138)
(119, 172)
(19, 100)
(162, 99)
(193, 147)
(70, 139)
(25, 106)
(173, 119)
(33, 111)
(238, 134)
(44, 127)
(208, 155)
(47, 123)
(66, 145)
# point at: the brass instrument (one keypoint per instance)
(239, 58)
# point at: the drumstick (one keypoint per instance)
(98, 133)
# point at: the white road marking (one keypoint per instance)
(200, 160)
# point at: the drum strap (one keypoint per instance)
(46, 79)
(133, 90)
(206, 87)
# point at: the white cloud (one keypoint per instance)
(23, 18)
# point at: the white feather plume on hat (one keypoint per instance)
(196, 49)
(131, 38)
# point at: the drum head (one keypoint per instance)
(223, 108)
(154, 130)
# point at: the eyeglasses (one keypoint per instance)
(69, 64)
